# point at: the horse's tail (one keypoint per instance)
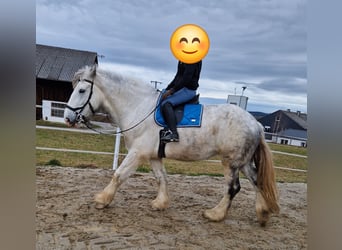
(266, 175)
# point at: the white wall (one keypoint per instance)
(53, 114)
(238, 100)
(290, 141)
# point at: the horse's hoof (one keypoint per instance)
(100, 206)
(263, 216)
(157, 205)
(101, 201)
(263, 224)
(213, 216)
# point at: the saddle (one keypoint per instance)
(188, 114)
(179, 110)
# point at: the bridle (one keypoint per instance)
(81, 118)
(78, 110)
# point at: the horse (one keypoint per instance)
(226, 130)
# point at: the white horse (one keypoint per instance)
(226, 130)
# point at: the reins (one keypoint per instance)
(85, 122)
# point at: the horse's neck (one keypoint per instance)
(127, 101)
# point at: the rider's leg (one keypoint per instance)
(170, 119)
(181, 96)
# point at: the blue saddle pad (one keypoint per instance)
(192, 116)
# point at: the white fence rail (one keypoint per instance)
(116, 152)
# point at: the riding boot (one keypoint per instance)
(170, 119)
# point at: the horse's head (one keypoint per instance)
(84, 100)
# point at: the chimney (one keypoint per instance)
(298, 113)
(288, 110)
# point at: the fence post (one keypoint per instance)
(116, 149)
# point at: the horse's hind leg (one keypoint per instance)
(162, 200)
(262, 213)
(251, 173)
(231, 176)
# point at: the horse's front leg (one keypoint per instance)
(162, 201)
(126, 168)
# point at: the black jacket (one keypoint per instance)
(187, 76)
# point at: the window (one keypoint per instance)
(285, 142)
(57, 109)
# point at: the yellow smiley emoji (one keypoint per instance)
(189, 43)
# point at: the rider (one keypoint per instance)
(181, 90)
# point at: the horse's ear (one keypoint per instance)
(93, 70)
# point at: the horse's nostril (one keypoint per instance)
(67, 121)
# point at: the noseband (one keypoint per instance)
(78, 110)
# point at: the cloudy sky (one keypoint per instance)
(260, 44)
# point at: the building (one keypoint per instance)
(238, 100)
(55, 68)
(286, 127)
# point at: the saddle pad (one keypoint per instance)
(192, 116)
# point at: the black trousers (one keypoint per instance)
(169, 116)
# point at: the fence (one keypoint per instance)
(116, 152)
(54, 111)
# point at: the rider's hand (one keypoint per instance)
(167, 93)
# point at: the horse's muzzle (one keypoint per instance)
(79, 118)
(70, 123)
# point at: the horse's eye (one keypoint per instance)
(81, 91)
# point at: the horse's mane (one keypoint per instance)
(92, 71)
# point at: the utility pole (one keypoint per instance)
(155, 83)
(243, 89)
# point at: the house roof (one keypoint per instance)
(298, 117)
(296, 133)
(60, 64)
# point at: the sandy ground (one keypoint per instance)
(67, 219)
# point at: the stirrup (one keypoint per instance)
(168, 136)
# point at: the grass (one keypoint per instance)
(58, 124)
(105, 143)
(51, 124)
(288, 149)
(74, 140)
(53, 162)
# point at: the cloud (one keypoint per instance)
(260, 42)
(285, 85)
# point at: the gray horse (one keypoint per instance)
(226, 130)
